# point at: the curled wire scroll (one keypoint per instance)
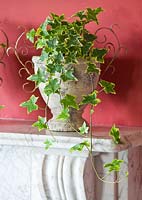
(113, 47)
(19, 52)
(3, 46)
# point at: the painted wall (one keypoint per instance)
(125, 108)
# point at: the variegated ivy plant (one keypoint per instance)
(62, 43)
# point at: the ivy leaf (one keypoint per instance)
(41, 123)
(30, 104)
(44, 55)
(84, 128)
(48, 143)
(40, 43)
(99, 54)
(39, 77)
(92, 68)
(115, 134)
(89, 37)
(91, 99)
(56, 19)
(71, 57)
(68, 76)
(73, 41)
(38, 32)
(1, 107)
(52, 43)
(52, 86)
(31, 35)
(115, 165)
(58, 57)
(80, 14)
(108, 87)
(43, 27)
(69, 101)
(92, 14)
(53, 68)
(64, 115)
(85, 48)
(80, 146)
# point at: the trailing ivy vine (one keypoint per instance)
(62, 44)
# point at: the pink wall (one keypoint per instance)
(125, 108)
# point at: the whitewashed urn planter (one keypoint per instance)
(76, 88)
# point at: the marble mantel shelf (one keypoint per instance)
(57, 173)
(26, 135)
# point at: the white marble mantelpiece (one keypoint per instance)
(26, 135)
(61, 145)
(29, 172)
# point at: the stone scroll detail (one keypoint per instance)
(61, 178)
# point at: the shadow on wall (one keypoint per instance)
(124, 108)
(124, 76)
(128, 80)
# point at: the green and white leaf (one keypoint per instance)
(52, 86)
(31, 35)
(80, 146)
(81, 14)
(43, 28)
(91, 99)
(115, 165)
(52, 43)
(44, 55)
(41, 123)
(41, 43)
(68, 76)
(83, 129)
(48, 143)
(39, 77)
(115, 134)
(86, 48)
(92, 68)
(30, 104)
(69, 101)
(89, 15)
(92, 14)
(108, 87)
(64, 115)
(98, 55)
(89, 37)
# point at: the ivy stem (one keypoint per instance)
(76, 131)
(91, 134)
(97, 175)
(101, 90)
